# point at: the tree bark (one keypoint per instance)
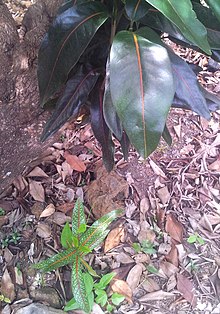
(22, 119)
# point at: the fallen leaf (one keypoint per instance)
(114, 238)
(168, 268)
(124, 258)
(20, 183)
(150, 285)
(60, 218)
(156, 169)
(174, 228)
(36, 191)
(156, 296)
(172, 256)
(75, 162)
(48, 211)
(144, 208)
(177, 129)
(185, 287)
(122, 271)
(66, 170)
(37, 172)
(163, 195)
(7, 286)
(171, 283)
(43, 230)
(215, 166)
(66, 207)
(121, 287)
(3, 220)
(134, 276)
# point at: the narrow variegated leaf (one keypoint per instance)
(78, 286)
(97, 232)
(67, 237)
(58, 260)
(78, 217)
(88, 267)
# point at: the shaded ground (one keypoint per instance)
(169, 200)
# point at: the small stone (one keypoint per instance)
(48, 295)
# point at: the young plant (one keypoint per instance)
(106, 59)
(2, 211)
(195, 238)
(146, 247)
(79, 241)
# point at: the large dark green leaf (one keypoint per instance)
(125, 145)
(142, 88)
(166, 135)
(99, 126)
(74, 96)
(79, 287)
(110, 114)
(97, 232)
(215, 6)
(136, 9)
(58, 260)
(182, 15)
(186, 85)
(64, 43)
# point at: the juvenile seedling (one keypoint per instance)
(77, 242)
(195, 238)
(146, 246)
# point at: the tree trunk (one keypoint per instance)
(21, 117)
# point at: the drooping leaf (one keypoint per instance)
(215, 6)
(67, 237)
(182, 15)
(97, 232)
(125, 145)
(78, 217)
(66, 40)
(212, 100)
(188, 94)
(109, 112)
(78, 286)
(99, 126)
(58, 260)
(141, 105)
(166, 135)
(68, 106)
(135, 10)
(89, 268)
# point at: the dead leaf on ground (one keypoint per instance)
(75, 162)
(215, 166)
(156, 296)
(7, 286)
(36, 191)
(134, 276)
(144, 208)
(43, 230)
(156, 169)
(3, 220)
(114, 238)
(174, 228)
(121, 286)
(37, 172)
(168, 268)
(20, 183)
(48, 211)
(60, 218)
(122, 271)
(65, 208)
(164, 195)
(186, 288)
(150, 285)
(172, 256)
(215, 280)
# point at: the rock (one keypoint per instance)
(37, 308)
(47, 295)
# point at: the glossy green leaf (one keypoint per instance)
(71, 305)
(125, 145)
(78, 286)
(99, 126)
(141, 105)
(109, 112)
(182, 15)
(104, 281)
(215, 6)
(58, 260)
(88, 268)
(68, 106)
(66, 40)
(78, 217)
(97, 232)
(117, 298)
(67, 237)
(101, 297)
(136, 9)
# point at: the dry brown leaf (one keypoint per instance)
(156, 169)
(156, 296)
(172, 256)
(134, 276)
(60, 218)
(174, 228)
(36, 191)
(48, 211)
(66, 170)
(171, 283)
(20, 183)
(185, 287)
(168, 268)
(122, 271)
(215, 166)
(177, 129)
(144, 208)
(37, 172)
(7, 286)
(75, 162)
(150, 285)
(164, 195)
(124, 258)
(3, 220)
(121, 286)
(65, 208)
(114, 238)
(43, 230)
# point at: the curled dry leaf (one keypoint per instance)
(174, 228)
(121, 287)
(215, 166)
(48, 211)
(7, 286)
(134, 276)
(156, 296)
(172, 256)
(164, 195)
(185, 286)
(43, 230)
(156, 169)
(114, 238)
(150, 285)
(75, 162)
(168, 268)
(36, 191)
(37, 172)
